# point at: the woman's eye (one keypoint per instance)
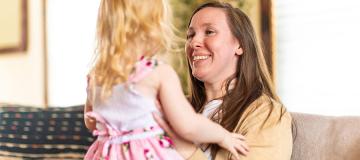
(209, 32)
(188, 36)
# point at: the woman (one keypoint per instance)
(230, 84)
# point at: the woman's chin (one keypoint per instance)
(199, 75)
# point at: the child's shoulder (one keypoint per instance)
(166, 75)
(161, 68)
(164, 69)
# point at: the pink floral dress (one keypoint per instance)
(125, 126)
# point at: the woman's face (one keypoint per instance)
(211, 48)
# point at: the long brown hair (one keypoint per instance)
(252, 78)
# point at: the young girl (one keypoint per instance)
(127, 80)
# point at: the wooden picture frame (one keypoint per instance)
(13, 20)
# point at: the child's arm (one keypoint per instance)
(90, 123)
(181, 116)
(186, 122)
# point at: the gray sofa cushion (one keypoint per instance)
(326, 137)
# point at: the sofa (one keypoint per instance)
(60, 133)
(319, 137)
(52, 133)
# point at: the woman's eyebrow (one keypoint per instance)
(202, 25)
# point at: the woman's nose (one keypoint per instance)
(196, 42)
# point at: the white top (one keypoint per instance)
(208, 110)
(126, 109)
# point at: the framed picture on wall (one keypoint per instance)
(13, 20)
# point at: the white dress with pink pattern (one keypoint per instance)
(126, 129)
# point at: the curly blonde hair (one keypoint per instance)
(126, 30)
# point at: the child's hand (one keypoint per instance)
(90, 122)
(235, 143)
(90, 119)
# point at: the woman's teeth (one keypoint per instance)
(195, 58)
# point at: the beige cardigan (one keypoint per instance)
(274, 141)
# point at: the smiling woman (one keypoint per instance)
(231, 85)
(182, 12)
(210, 45)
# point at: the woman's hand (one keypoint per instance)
(185, 148)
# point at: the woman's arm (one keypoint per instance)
(270, 139)
(273, 139)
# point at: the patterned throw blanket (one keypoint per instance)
(37, 133)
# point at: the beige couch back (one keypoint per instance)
(325, 137)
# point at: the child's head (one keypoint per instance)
(126, 30)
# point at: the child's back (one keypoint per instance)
(125, 125)
(128, 107)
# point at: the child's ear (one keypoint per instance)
(239, 51)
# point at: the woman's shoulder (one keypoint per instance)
(266, 110)
(267, 127)
(266, 103)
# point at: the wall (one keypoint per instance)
(64, 63)
(70, 35)
(21, 74)
(71, 39)
(318, 56)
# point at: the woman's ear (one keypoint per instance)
(239, 51)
